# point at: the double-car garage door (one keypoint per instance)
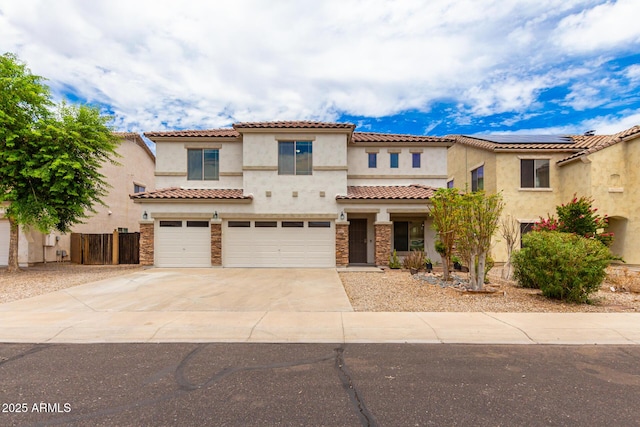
(246, 243)
(274, 243)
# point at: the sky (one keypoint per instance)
(433, 67)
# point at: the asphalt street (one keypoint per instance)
(319, 384)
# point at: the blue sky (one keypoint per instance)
(432, 67)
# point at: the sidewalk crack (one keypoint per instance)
(513, 326)
(254, 326)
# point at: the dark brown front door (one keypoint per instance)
(357, 241)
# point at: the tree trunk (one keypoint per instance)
(506, 269)
(482, 258)
(13, 247)
(445, 267)
(472, 270)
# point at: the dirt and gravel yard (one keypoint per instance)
(44, 278)
(396, 290)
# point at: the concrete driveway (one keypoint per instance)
(218, 289)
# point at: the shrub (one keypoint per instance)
(416, 260)
(562, 265)
(394, 262)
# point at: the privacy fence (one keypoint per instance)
(102, 249)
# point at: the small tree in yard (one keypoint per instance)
(578, 217)
(50, 155)
(479, 216)
(445, 211)
(509, 229)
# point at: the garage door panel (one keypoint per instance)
(183, 246)
(278, 247)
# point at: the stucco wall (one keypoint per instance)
(171, 164)
(432, 170)
(461, 160)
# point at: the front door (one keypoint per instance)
(357, 241)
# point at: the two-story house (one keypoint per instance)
(286, 194)
(536, 173)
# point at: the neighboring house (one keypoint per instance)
(536, 173)
(134, 173)
(285, 194)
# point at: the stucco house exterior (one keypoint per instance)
(536, 173)
(289, 194)
(134, 173)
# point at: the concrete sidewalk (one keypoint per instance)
(274, 306)
(320, 327)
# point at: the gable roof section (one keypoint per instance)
(176, 193)
(364, 137)
(388, 192)
(627, 134)
(132, 136)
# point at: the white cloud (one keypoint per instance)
(604, 26)
(198, 64)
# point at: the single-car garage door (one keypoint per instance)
(266, 243)
(183, 243)
(4, 242)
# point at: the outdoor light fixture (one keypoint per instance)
(215, 215)
(342, 216)
(145, 215)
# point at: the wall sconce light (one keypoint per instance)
(215, 215)
(145, 215)
(342, 216)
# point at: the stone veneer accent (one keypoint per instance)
(216, 243)
(146, 244)
(383, 243)
(342, 244)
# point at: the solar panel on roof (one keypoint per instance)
(525, 139)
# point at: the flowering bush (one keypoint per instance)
(580, 218)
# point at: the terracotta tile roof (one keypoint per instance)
(206, 133)
(388, 192)
(193, 194)
(390, 137)
(300, 124)
(607, 141)
(578, 143)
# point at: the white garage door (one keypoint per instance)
(183, 243)
(267, 243)
(4, 242)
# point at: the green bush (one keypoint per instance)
(562, 265)
(394, 261)
(416, 260)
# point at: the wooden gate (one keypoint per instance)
(104, 249)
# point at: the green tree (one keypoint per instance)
(479, 214)
(50, 155)
(445, 209)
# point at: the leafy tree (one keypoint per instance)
(50, 155)
(479, 214)
(578, 217)
(445, 212)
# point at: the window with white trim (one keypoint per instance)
(295, 157)
(534, 173)
(203, 164)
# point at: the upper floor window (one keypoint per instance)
(393, 159)
(138, 188)
(203, 164)
(534, 173)
(477, 179)
(373, 160)
(415, 160)
(295, 158)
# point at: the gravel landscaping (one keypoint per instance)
(44, 278)
(395, 290)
